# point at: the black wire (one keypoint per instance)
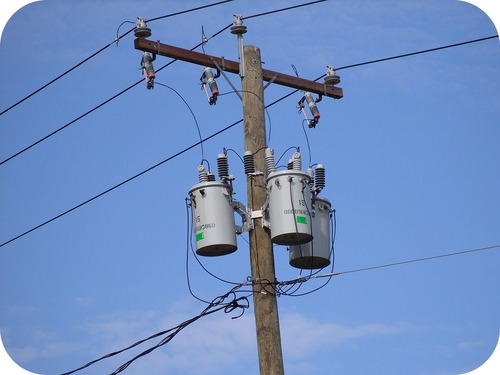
(70, 123)
(62, 74)
(188, 245)
(413, 260)
(190, 110)
(226, 307)
(121, 183)
(213, 135)
(307, 141)
(188, 11)
(214, 306)
(282, 9)
(103, 49)
(416, 53)
(332, 255)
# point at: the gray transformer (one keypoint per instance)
(289, 207)
(316, 253)
(213, 219)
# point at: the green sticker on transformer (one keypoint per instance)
(301, 219)
(199, 236)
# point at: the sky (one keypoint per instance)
(411, 156)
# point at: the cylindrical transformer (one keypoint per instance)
(316, 253)
(213, 219)
(289, 205)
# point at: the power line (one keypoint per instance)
(282, 9)
(214, 306)
(101, 50)
(418, 52)
(201, 141)
(279, 285)
(416, 260)
(120, 184)
(391, 58)
(138, 82)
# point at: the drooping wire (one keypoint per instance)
(216, 305)
(332, 256)
(202, 43)
(189, 245)
(192, 114)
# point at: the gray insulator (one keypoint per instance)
(202, 173)
(270, 165)
(248, 163)
(320, 177)
(222, 166)
(297, 162)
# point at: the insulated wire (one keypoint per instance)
(214, 306)
(102, 49)
(387, 59)
(192, 114)
(204, 41)
(211, 136)
(121, 183)
(394, 264)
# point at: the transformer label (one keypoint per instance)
(296, 211)
(201, 227)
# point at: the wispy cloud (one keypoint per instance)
(218, 343)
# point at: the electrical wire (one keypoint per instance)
(479, 249)
(282, 9)
(216, 305)
(394, 264)
(121, 183)
(416, 53)
(196, 144)
(192, 114)
(117, 39)
(204, 41)
(387, 59)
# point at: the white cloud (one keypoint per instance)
(219, 345)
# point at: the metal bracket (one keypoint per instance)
(246, 217)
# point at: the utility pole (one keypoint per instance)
(261, 250)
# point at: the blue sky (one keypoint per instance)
(411, 153)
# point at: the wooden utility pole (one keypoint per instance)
(261, 250)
